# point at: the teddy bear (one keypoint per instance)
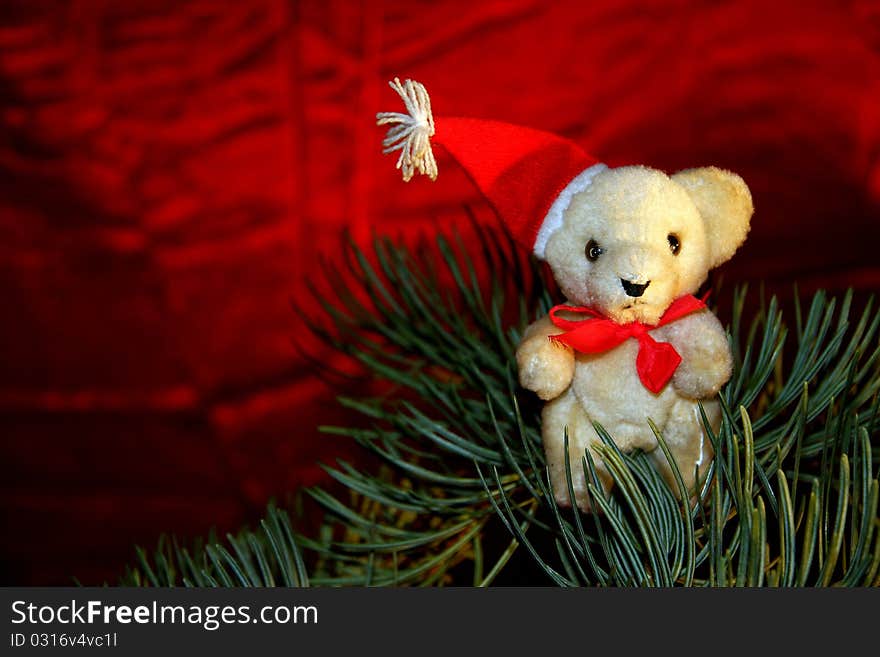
(628, 246)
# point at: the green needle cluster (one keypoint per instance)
(455, 490)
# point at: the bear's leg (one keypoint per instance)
(687, 440)
(566, 412)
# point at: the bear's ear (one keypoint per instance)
(724, 202)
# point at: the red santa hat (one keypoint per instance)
(529, 176)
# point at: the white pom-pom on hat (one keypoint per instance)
(411, 133)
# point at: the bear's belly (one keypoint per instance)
(609, 388)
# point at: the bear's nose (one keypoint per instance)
(634, 289)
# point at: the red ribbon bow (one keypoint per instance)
(656, 361)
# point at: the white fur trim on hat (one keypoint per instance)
(553, 221)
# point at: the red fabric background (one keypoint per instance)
(170, 172)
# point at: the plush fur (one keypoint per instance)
(630, 212)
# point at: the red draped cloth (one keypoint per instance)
(171, 171)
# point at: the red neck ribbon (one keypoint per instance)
(656, 361)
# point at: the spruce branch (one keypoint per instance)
(791, 498)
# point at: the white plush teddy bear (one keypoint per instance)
(628, 246)
(631, 244)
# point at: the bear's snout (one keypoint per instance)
(634, 289)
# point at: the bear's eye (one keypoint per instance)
(674, 243)
(593, 251)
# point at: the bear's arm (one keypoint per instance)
(706, 363)
(545, 367)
